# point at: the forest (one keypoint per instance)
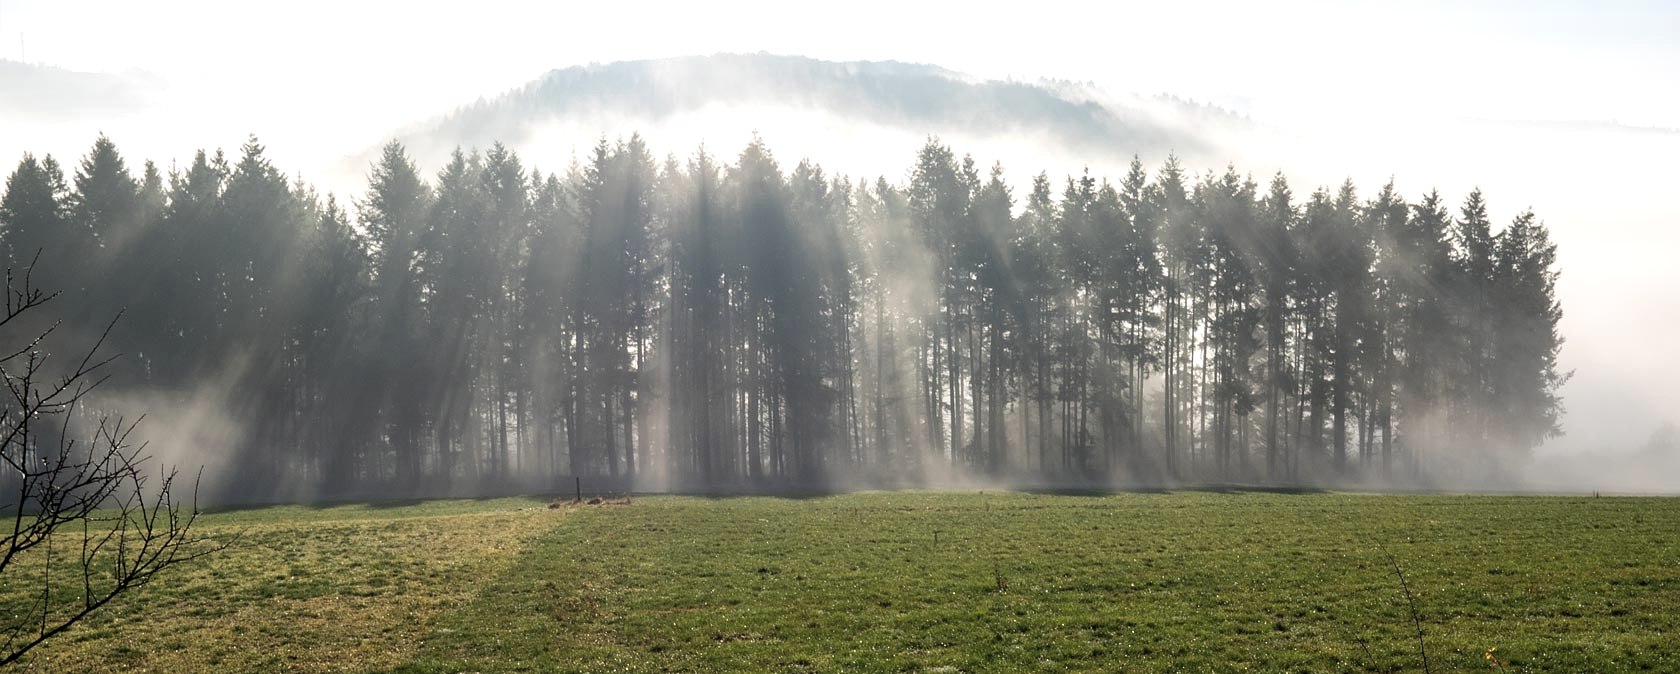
(706, 323)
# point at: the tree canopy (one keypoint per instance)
(733, 323)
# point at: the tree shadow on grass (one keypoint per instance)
(1233, 489)
(787, 492)
(370, 504)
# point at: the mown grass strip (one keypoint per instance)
(1188, 581)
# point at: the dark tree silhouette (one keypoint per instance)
(707, 324)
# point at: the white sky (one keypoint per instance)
(342, 75)
(338, 58)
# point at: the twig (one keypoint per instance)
(1411, 606)
(1367, 648)
(59, 485)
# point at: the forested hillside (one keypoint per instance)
(732, 323)
(908, 96)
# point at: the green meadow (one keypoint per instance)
(1181, 581)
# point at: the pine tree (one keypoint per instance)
(1277, 267)
(1473, 310)
(1525, 374)
(35, 223)
(393, 400)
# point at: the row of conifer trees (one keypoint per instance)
(704, 322)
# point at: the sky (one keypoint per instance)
(1396, 85)
(361, 61)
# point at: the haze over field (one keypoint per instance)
(1567, 109)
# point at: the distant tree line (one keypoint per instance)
(708, 324)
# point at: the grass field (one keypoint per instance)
(934, 582)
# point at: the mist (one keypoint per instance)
(1612, 288)
(1596, 186)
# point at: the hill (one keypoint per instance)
(35, 93)
(734, 95)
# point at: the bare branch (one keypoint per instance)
(96, 492)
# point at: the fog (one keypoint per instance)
(1599, 186)
(1602, 187)
(1596, 185)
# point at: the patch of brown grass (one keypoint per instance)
(313, 593)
